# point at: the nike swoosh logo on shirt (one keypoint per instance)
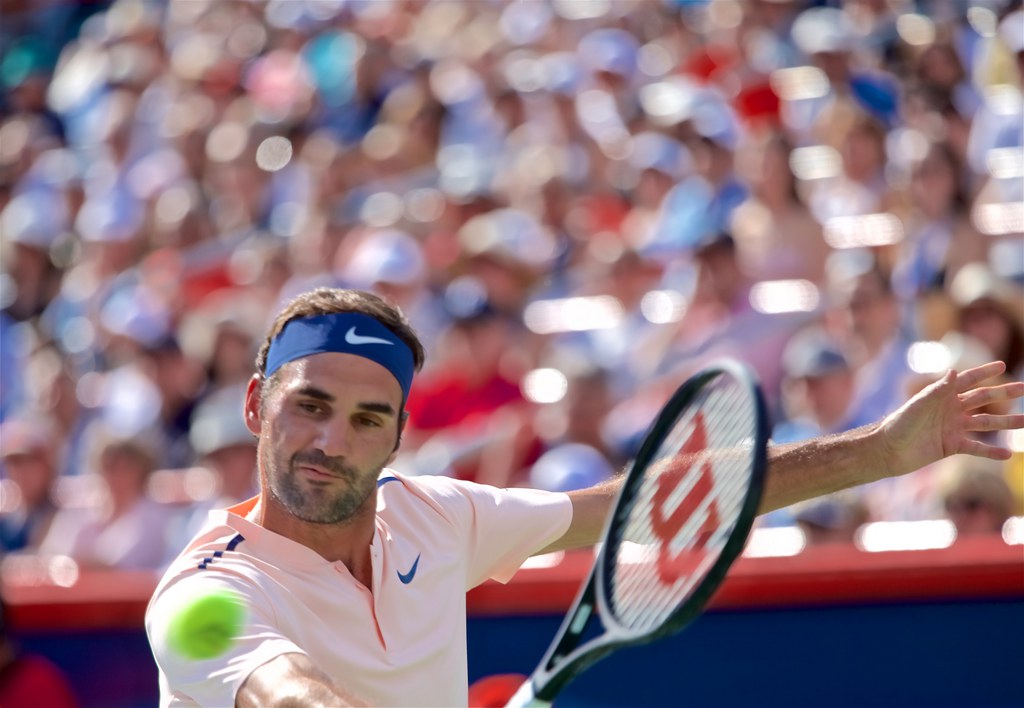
(352, 338)
(407, 577)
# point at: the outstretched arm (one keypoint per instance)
(937, 422)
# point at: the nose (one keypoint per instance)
(334, 438)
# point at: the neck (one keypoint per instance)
(118, 504)
(777, 199)
(346, 542)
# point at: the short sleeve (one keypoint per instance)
(502, 527)
(212, 682)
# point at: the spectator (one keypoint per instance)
(616, 292)
(225, 447)
(861, 187)
(55, 382)
(817, 388)
(720, 319)
(868, 323)
(120, 527)
(659, 162)
(776, 236)
(832, 519)
(518, 144)
(940, 72)
(219, 336)
(701, 205)
(470, 405)
(939, 238)
(998, 126)
(178, 380)
(508, 252)
(815, 397)
(12, 361)
(577, 446)
(391, 263)
(220, 439)
(991, 311)
(828, 39)
(30, 473)
(32, 223)
(580, 416)
(975, 496)
(569, 466)
(25, 76)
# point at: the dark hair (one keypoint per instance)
(781, 142)
(326, 301)
(942, 150)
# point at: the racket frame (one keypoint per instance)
(565, 658)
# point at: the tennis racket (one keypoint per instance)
(687, 503)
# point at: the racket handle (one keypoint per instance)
(524, 698)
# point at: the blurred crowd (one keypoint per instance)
(577, 203)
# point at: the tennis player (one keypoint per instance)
(355, 576)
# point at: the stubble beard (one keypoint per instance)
(319, 504)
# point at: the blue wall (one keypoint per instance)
(943, 655)
(964, 655)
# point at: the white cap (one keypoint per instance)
(823, 29)
(385, 256)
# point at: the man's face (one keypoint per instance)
(871, 311)
(326, 426)
(33, 475)
(829, 395)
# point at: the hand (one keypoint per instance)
(939, 420)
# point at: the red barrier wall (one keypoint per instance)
(973, 568)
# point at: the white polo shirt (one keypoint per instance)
(404, 643)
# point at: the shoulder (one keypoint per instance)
(214, 549)
(457, 501)
(394, 486)
(396, 490)
(201, 571)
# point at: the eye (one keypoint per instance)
(368, 421)
(309, 407)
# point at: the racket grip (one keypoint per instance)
(524, 698)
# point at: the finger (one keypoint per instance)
(983, 422)
(992, 394)
(980, 449)
(966, 380)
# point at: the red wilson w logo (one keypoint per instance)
(673, 566)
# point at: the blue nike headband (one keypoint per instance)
(347, 333)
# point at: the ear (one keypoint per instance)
(253, 421)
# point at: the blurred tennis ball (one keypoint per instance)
(207, 626)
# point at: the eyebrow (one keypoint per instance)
(370, 406)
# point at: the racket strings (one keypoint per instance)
(685, 507)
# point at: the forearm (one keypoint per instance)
(804, 470)
(291, 680)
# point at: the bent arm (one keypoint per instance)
(292, 680)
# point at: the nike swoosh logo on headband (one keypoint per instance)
(352, 338)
